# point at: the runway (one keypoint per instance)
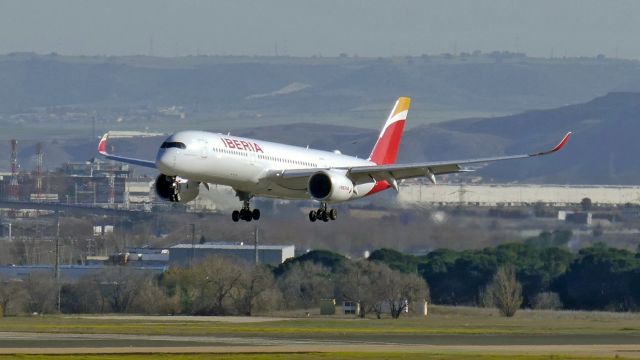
(55, 343)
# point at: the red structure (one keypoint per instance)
(14, 188)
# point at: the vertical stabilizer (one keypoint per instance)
(386, 149)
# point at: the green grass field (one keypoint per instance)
(290, 356)
(448, 333)
(441, 321)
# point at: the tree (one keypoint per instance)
(506, 291)
(120, 286)
(557, 238)
(11, 296)
(152, 299)
(304, 284)
(206, 287)
(359, 282)
(41, 293)
(404, 289)
(256, 290)
(330, 260)
(547, 301)
(537, 267)
(379, 287)
(411, 288)
(83, 297)
(601, 278)
(396, 260)
(456, 277)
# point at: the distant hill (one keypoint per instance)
(501, 82)
(602, 150)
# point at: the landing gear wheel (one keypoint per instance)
(325, 216)
(245, 215)
(333, 214)
(312, 216)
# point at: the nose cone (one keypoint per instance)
(166, 161)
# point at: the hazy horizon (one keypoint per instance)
(543, 28)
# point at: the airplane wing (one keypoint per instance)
(102, 149)
(394, 172)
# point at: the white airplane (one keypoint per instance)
(266, 169)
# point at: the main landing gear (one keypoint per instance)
(322, 214)
(245, 213)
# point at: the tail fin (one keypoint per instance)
(386, 149)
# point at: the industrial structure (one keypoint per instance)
(93, 182)
(96, 182)
(13, 193)
(135, 257)
(38, 193)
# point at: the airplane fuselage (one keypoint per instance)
(243, 163)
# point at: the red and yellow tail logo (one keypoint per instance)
(386, 149)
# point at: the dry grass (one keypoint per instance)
(292, 356)
(441, 320)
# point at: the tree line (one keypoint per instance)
(595, 278)
(540, 273)
(223, 286)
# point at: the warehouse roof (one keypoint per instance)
(230, 246)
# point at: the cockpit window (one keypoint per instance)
(173, 144)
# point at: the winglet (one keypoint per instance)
(102, 145)
(558, 147)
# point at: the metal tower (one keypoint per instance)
(111, 198)
(39, 172)
(14, 188)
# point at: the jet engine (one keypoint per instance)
(176, 190)
(330, 186)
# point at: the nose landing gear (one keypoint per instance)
(322, 214)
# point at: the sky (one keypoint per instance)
(371, 28)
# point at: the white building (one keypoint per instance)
(515, 195)
(183, 254)
(139, 192)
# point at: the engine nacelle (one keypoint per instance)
(170, 189)
(330, 186)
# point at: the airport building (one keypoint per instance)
(515, 195)
(184, 254)
(68, 273)
(136, 257)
